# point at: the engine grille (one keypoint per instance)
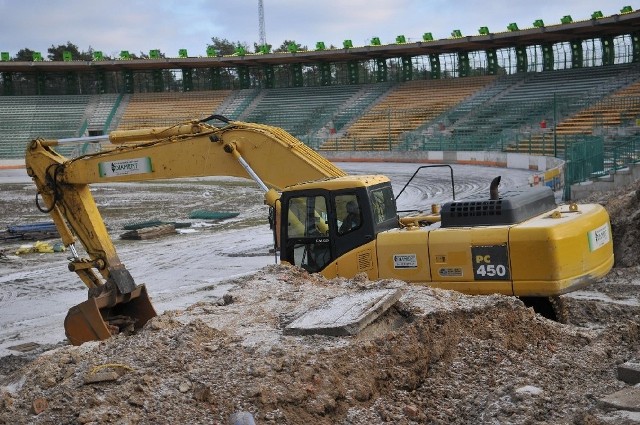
(364, 261)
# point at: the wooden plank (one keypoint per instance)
(149, 232)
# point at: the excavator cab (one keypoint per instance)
(323, 221)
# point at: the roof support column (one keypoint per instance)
(352, 69)
(463, 64)
(243, 75)
(522, 63)
(296, 69)
(41, 82)
(325, 74)
(7, 83)
(608, 52)
(269, 76)
(434, 60)
(407, 68)
(71, 82)
(577, 55)
(492, 61)
(101, 79)
(187, 79)
(216, 78)
(635, 42)
(127, 77)
(158, 84)
(382, 74)
(547, 57)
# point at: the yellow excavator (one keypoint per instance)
(517, 243)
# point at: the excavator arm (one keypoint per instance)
(192, 149)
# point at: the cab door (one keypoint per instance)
(306, 234)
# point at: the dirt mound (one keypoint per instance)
(436, 357)
(623, 206)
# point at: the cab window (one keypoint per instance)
(307, 217)
(348, 213)
(383, 204)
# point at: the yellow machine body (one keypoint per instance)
(551, 254)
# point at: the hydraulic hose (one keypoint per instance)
(216, 117)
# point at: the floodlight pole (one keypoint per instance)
(262, 33)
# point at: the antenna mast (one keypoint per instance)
(262, 35)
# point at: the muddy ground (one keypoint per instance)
(436, 357)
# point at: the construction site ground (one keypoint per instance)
(220, 345)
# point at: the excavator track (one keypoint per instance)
(560, 309)
(553, 308)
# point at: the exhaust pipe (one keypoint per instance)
(493, 189)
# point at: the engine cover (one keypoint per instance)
(512, 207)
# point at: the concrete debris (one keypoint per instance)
(629, 372)
(625, 399)
(345, 315)
(105, 373)
(39, 405)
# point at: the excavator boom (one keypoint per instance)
(190, 149)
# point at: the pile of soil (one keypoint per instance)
(623, 206)
(435, 357)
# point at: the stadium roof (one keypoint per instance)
(614, 25)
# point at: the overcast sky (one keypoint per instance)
(169, 25)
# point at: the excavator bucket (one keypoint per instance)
(107, 315)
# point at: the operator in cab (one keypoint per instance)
(352, 219)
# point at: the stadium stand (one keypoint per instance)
(308, 112)
(532, 92)
(474, 113)
(610, 104)
(519, 107)
(354, 107)
(23, 118)
(615, 111)
(236, 103)
(406, 107)
(164, 109)
(100, 113)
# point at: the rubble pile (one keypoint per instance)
(435, 357)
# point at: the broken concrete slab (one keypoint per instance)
(345, 315)
(617, 417)
(629, 372)
(625, 399)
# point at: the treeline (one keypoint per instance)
(221, 45)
